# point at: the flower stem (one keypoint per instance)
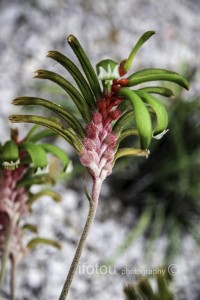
(5, 255)
(91, 215)
(3, 268)
(12, 278)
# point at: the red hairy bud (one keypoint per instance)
(91, 130)
(115, 114)
(97, 118)
(122, 71)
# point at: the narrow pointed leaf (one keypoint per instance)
(66, 134)
(131, 293)
(142, 117)
(42, 241)
(37, 154)
(47, 192)
(128, 62)
(158, 90)
(160, 111)
(62, 155)
(67, 117)
(86, 65)
(76, 74)
(159, 77)
(79, 101)
(146, 289)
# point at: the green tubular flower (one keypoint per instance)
(10, 155)
(101, 107)
(27, 154)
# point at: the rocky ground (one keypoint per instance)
(28, 29)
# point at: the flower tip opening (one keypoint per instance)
(160, 135)
(71, 38)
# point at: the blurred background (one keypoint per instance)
(148, 214)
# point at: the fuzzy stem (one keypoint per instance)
(3, 268)
(91, 215)
(5, 255)
(12, 278)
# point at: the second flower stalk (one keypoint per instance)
(108, 111)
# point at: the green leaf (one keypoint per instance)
(128, 62)
(42, 241)
(37, 154)
(76, 74)
(131, 293)
(79, 101)
(142, 117)
(67, 117)
(66, 134)
(62, 155)
(146, 289)
(86, 65)
(137, 231)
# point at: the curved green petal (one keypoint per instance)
(158, 90)
(66, 134)
(37, 154)
(128, 62)
(47, 192)
(132, 81)
(42, 241)
(79, 101)
(67, 117)
(10, 155)
(160, 111)
(76, 74)
(131, 152)
(86, 65)
(141, 114)
(62, 155)
(121, 122)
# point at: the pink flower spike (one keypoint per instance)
(111, 140)
(97, 118)
(89, 144)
